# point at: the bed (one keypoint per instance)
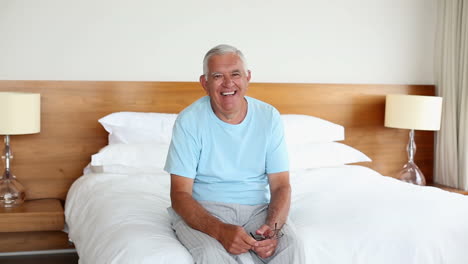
(340, 218)
(346, 208)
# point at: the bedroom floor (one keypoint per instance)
(62, 258)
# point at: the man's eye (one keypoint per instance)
(217, 76)
(236, 74)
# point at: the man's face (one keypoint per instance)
(226, 83)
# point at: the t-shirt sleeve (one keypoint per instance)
(184, 151)
(277, 153)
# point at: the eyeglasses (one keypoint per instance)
(277, 234)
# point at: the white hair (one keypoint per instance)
(221, 50)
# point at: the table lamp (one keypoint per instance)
(19, 115)
(414, 112)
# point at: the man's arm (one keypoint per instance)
(233, 238)
(278, 211)
(280, 201)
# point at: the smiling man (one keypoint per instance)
(228, 162)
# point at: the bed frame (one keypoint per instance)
(47, 163)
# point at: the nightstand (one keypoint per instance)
(450, 189)
(34, 225)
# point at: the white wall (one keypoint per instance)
(313, 41)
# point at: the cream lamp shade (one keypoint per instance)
(20, 113)
(413, 112)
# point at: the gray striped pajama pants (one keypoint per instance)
(207, 250)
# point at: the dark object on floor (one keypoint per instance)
(60, 258)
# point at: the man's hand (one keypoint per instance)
(235, 240)
(267, 247)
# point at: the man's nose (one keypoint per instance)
(227, 81)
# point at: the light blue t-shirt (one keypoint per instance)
(229, 163)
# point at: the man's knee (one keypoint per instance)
(290, 243)
(210, 252)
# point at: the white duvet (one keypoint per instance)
(347, 214)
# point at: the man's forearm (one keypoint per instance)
(233, 238)
(195, 215)
(278, 209)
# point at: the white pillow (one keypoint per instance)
(130, 158)
(151, 158)
(319, 155)
(303, 129)
(139, 127)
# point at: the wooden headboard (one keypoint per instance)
(47, 163)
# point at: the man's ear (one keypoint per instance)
(203, 82)
(249, 75)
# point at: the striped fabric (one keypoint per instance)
(207, 250)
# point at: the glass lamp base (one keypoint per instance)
(412, 174)
(11, 192)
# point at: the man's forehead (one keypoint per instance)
(223, 64)
(229, 71)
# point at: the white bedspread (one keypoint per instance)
(347, 214)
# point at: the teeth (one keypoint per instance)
(228, 93)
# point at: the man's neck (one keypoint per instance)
(235, 117)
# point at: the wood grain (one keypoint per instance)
(38, 215)
(49, 162)
(32, 241)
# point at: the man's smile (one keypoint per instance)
(229, 93)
